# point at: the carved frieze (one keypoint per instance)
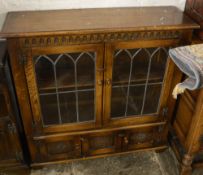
(45, 41)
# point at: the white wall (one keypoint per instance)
(16, 5)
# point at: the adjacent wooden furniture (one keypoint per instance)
(194, 8)
(187, 129)
(11, 130)
(95, 82)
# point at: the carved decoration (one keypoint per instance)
(96, 38)
(141, 137)
(101, 142)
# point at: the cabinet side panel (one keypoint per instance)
(21, 90)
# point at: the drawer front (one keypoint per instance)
(101, 143)
(142, 138)
(98, 143)
(59, 148)
(76, 146)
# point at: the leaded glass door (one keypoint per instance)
(136, 83)
(65, 86)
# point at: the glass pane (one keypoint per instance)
(85, 71)
(65, 74)
(118, 101)
(158, 64)
(68, 107)
(137, 81)
(44, 73)
(121, 67)
(86, 105)
(140, 67)
(66, 87)
(135, 100)
(49, 109)
(152, 99)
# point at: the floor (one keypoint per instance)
(143, 163)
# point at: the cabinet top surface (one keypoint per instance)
(51, 22)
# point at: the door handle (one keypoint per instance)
(108, 81)
(126, 141)
(100, 82)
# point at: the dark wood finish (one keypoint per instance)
(58, 148)
(100, 143)
(194, 9)
(101, 31)
(186, 131)
(108, 76)
(11, 153)
(33, 91)
(93, 20)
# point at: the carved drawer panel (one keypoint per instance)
(59, 148)
(100, 143)
(141, 138)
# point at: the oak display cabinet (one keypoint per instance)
(96, 85)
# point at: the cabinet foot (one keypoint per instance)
(186, 168)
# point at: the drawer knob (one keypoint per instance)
(126, 140)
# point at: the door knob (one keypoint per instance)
(108, 81)
(126, 140)
(100, 82)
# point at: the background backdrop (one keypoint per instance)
(17, 5)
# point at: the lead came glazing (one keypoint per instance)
(137, 80)
(66, 85)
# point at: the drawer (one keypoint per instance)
(142, 138)
(58, 148)
(95, 143)
(100, 143)
(76, 146)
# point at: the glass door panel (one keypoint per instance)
(118, 78)
(49, 109)
(137, 79)
(44, 74)
(157, 65)
(66, 85)
(67, 107)
(118, 101)
(139, 66)
(135, 100)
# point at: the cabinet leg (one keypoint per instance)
(186, 168)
